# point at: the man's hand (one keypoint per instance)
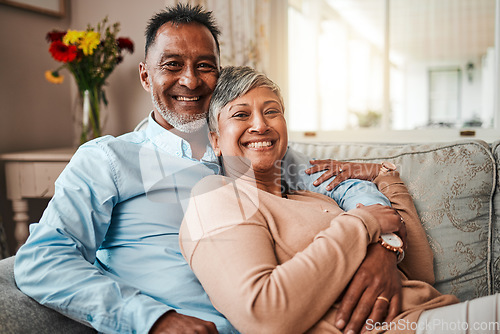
(176, 323)
(376, 277)
(343, 171)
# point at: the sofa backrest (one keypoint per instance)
(452, 185)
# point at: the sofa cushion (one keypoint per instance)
(452, 186)
(21, 314)
(495, 148)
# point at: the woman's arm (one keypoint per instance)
(228, 244)
(418, 261)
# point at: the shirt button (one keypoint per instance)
(89, 318)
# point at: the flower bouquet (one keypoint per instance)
(91, 56)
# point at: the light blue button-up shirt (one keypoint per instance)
(106, 250)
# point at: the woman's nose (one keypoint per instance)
(259, 124)
(189, 78)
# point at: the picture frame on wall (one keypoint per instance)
(56, 8)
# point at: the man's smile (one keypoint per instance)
(187, 98)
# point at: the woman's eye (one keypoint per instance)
(240, 114)
(272, 112)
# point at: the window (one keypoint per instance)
(379, 66)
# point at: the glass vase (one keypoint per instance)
(92, 101)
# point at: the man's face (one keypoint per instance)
(181, 72)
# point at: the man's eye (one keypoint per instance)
(206, 67)
(172, 66)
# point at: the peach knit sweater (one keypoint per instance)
(278, 265)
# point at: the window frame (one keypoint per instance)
(384, 134)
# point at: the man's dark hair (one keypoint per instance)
(181, 14)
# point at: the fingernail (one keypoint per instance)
(328, 188)
(340, 324)
(350, 331)
(315, 183)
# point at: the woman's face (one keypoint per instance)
(253, 126)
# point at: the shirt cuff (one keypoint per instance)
(140, 314)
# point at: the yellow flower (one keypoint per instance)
(89, 42)
(73, 37)
(54, 77)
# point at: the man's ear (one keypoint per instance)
(214, 140)
(144, 75)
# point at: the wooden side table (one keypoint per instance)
(31, 174)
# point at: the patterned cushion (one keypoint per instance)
(452, 186)
(495, 148)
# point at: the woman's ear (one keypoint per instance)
(214, 140)
(144, 76)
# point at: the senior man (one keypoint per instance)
(106, 250)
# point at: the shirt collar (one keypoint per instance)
(173, 144)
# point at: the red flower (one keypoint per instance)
(63, 52)
(55, 35)
(125, 43)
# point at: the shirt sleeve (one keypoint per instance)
(56, 264)
(347, 194)
(225, 232)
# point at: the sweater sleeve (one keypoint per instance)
(228, 244)
(418, 261)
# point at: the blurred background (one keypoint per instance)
(350, 70)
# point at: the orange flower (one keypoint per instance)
(54, 77)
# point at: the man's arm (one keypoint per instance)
(347, 193)
(56, 265)
(376, 277)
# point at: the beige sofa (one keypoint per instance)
(457, 194)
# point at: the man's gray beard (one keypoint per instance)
(183, 123)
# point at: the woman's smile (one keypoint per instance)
(259, 144)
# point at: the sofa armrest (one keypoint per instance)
(21, 314)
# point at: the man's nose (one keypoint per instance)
(190, 78)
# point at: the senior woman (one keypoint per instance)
(277, 262)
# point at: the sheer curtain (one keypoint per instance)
(245, 26)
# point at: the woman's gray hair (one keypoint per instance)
(233, 82)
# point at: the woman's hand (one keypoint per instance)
(387, 217)
(342, 171)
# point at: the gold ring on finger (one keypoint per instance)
(384, 299)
